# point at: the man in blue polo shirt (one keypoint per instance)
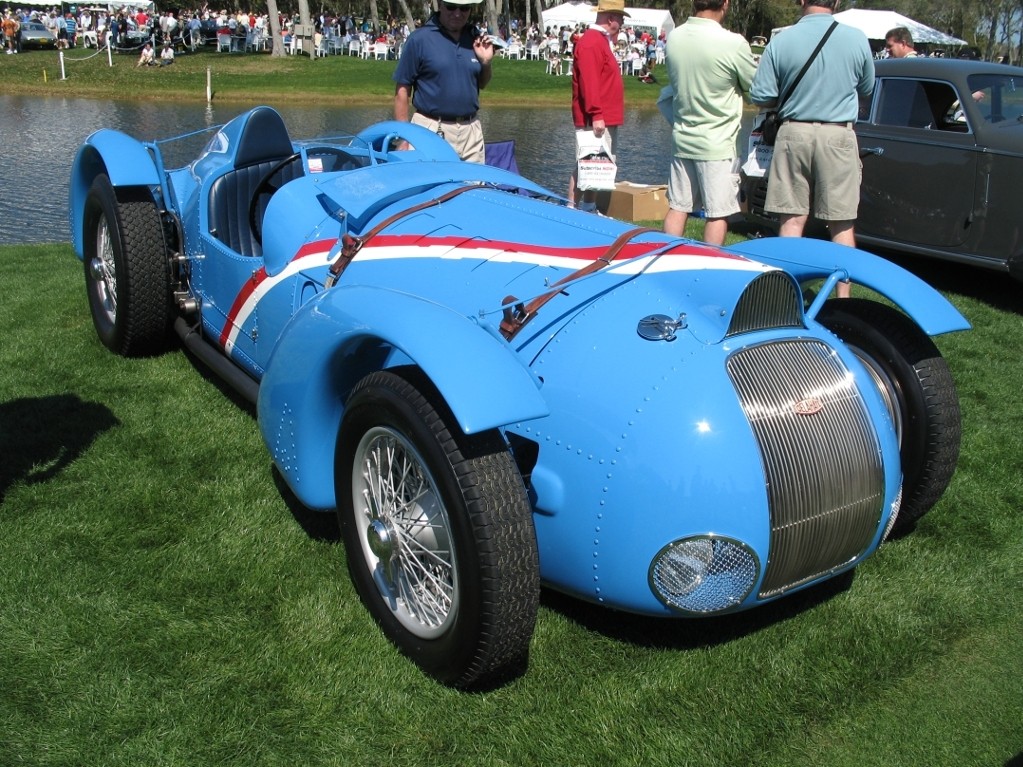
(443, 66)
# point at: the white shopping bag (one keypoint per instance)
(596, 168)
(758, 161)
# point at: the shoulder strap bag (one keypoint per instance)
(769, 127)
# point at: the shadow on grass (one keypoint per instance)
(318, 525)
(691, 633)
(41, 436)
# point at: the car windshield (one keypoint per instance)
(999, 97)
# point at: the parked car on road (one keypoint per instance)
(942, 148)
(495, 391)
(36, 35)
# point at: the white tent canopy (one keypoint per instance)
(876, 24)
(573, 13)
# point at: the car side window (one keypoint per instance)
(920, 104)
(999, 98)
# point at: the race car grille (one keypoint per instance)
(825, 481)
(772, 300)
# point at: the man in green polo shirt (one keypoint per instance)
(710, 70)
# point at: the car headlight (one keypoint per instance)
(704, 574)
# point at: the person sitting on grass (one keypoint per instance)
(167, 55)
(147, 57)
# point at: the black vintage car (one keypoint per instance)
(941, 142)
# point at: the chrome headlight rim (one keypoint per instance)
(700, 543)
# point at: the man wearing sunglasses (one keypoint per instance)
(442, 68)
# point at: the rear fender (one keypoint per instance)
(346, 333)
(125, 160)
(809, 259)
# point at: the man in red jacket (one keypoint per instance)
(598, 97)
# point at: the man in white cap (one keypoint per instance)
(443, 66)
(598, 96)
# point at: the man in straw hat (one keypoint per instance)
(443, 66)
(598, 96)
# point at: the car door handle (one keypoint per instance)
(874, 150)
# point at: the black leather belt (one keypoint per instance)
(450, 118)
(819, 122)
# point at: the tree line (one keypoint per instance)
(993, 27)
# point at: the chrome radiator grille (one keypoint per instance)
(825, 481)
(772, 300)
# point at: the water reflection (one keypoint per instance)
(33, 194)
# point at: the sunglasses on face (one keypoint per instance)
(452, 8)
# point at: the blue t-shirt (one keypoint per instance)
(842, 73)
(444, 74)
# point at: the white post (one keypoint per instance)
(110, 58)
(63, 76)
(209, 86)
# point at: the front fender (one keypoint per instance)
(125, 160)
(809, 259)
(346, 333)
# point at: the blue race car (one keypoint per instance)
(497, 392)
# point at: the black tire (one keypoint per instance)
(463, 612)
(127, 272)
(918, 389)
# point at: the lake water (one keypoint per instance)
(43, 134)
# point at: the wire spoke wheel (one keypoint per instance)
(407, 532)
(438, 532)
(104, 274)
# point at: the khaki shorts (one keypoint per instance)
(466, 137)
(816, 167)
(709, 184)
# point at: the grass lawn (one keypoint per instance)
(165, 602)
(257, 77)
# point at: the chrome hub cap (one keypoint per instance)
(406, 533)
(103, 274)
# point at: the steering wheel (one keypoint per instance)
(268, 184)
(268, 187)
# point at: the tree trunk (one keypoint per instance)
(408, 14)
(374, 17)
(492, 17)
(306, 19)
(276, 38)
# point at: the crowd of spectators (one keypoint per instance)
(131, 26)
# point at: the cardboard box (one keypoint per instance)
(636, 202)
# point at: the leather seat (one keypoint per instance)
(264, 142)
